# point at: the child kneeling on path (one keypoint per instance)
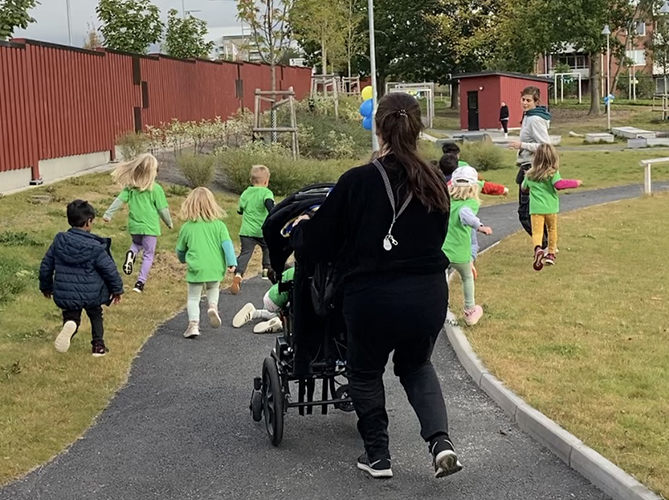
(464, 191)
(85, 277)
(148, 204)
(255, 204)
(204, 244)
(273, 302)
(544, 181)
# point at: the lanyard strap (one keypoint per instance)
(391, 196)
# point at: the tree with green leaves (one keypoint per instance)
(130, 25)
(410, 42)
(15, 14)
(322, 21)
(554, 24)
(184, 37)
(270, 33)
(471, 34)
(356, 34)
(93, 39)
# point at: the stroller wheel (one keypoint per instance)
(256, 406)
(342, 393)
(272, 401)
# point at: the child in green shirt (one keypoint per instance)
(148, 204)
(204, 244)
(255, 204)
(273, 302)
(464, 191)
(544, 181)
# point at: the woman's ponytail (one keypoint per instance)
(398, 122)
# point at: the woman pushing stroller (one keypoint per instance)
(387, 220)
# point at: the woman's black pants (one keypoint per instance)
(404, 314)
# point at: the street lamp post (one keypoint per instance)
(607, 32)
(69, 20)
(372, 63)
(664, 10)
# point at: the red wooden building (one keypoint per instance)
(482, 94)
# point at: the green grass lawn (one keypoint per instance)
(587, 341)
(47, 399)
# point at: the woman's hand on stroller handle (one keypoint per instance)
(232, 269)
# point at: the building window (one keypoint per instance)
(640, 29)
(572, 60)
(638, 57)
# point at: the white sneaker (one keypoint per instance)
(270, 326)
(244, 315)
(193, 330)
(214, 317)
(62, 342)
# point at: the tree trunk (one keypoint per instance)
(455, 94)
(273, 68)
(380, 84)
(595, 82)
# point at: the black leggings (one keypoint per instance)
(401, 313)
(524, 205)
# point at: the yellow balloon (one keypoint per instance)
(367, 92)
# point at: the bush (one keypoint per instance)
(132, 145)
(325, 137)
(198, 169)
(482, 155)
(287, 175)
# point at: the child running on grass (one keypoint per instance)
(255, 204)
(273, 302)
(204, 244)
(147, 203)
(464, 191)
(79, 273)
(448, 164)
(544, 181)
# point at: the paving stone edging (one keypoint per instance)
(601, 472)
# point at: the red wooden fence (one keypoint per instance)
(58, 101)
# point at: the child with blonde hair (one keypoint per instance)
(255, 204)
(204, 244)
(544, 181)
(462, 227)
(148, 204)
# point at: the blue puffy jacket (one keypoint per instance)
(85, 273)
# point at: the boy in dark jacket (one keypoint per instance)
(85, 276)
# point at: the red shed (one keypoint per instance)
(482, 94)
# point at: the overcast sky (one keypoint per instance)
(51, 16)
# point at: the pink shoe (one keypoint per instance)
(473, 315)
(538, 259)
(549, 259)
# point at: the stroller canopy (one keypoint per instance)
(278, 224)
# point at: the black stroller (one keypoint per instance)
(313, 345)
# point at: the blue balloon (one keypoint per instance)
(367, 123)
(367, 108)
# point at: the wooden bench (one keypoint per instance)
(647, 164)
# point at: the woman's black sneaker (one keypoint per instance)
(378, 468)
(444, 459)
(129, 262)
(99, 349)
(139, 287)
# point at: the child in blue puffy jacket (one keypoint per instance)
(79, 273)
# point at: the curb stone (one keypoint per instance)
(601, 472)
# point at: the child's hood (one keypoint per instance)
(77, 246)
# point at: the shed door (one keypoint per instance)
(473, 110)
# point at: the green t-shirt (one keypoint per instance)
(458, 244)
(144, 206)
(544, 197)
(253, 210)
(462, 163)
(281, 299)
(202, 242)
